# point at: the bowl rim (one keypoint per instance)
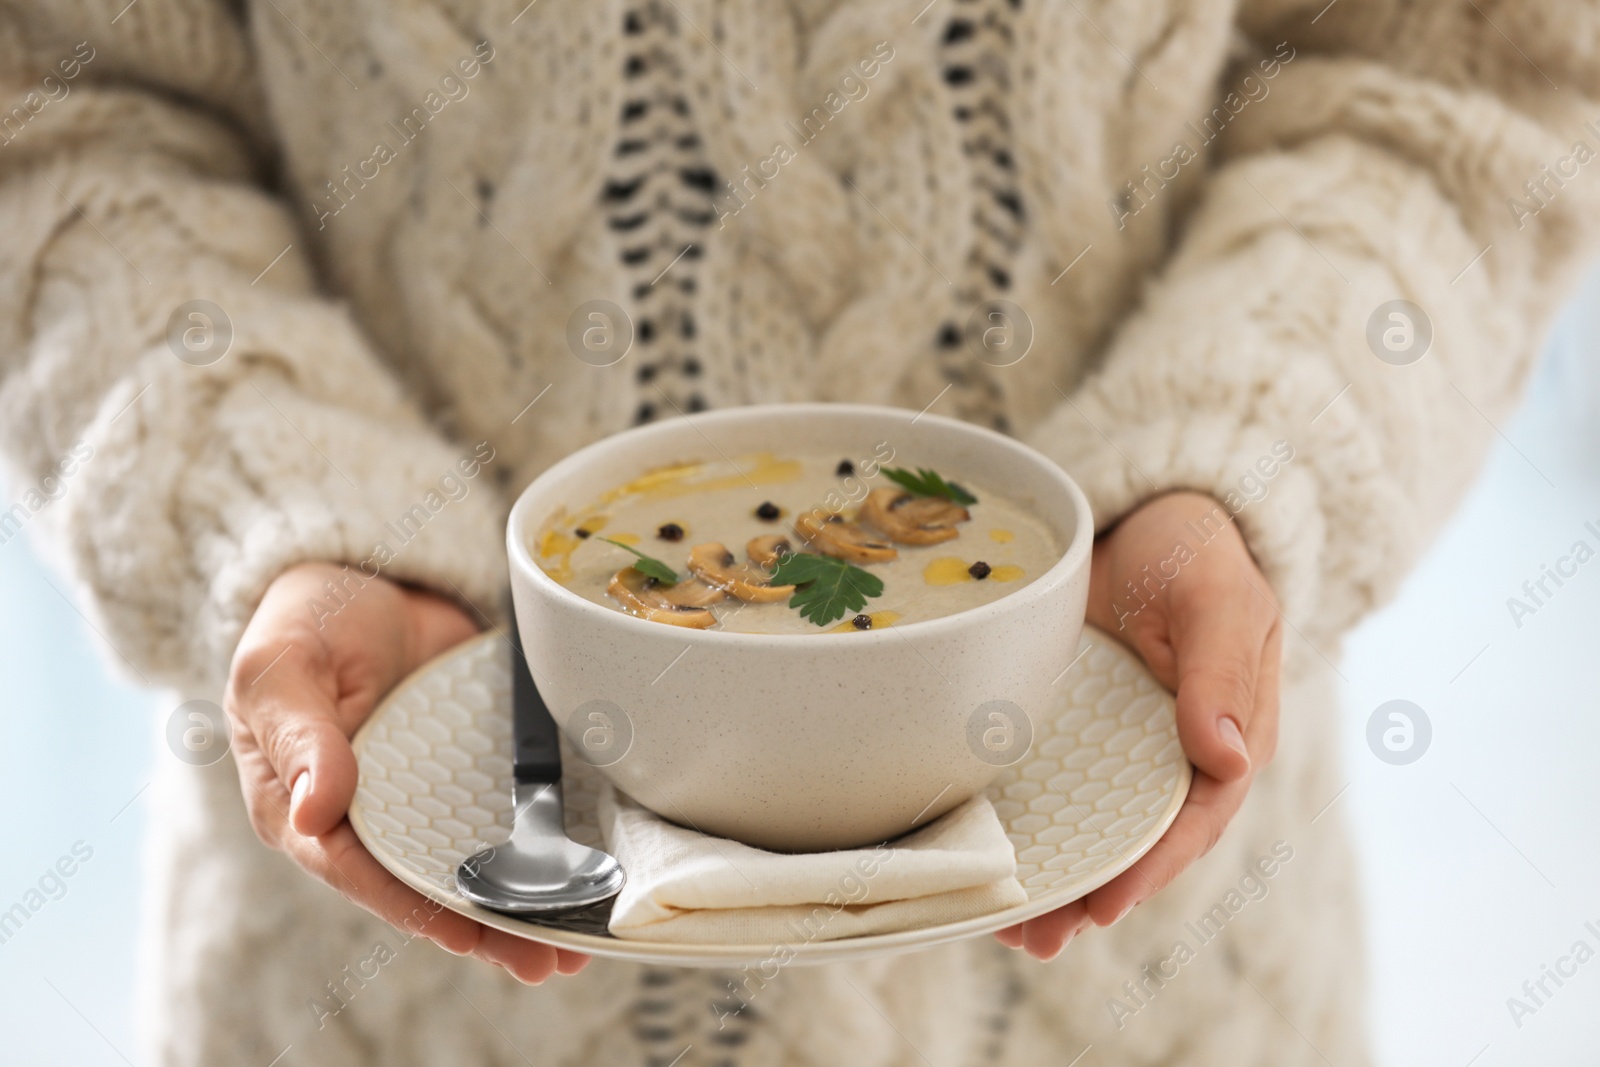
(1074, 557)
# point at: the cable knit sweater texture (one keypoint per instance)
(399, 205)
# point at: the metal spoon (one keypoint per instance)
(540, 871)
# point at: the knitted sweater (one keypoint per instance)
(276, 268)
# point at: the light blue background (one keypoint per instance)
(1460, 909)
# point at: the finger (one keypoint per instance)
(1010, 937)
(1218, 639)
(569, 962)
(285, 699)
(530, 962)
(1206, 812)
(1044, 937)
(1262, 736)
(339, 859)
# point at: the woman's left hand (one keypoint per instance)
(1174, 581)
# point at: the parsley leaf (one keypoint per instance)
(648, 566)
(926, 482)
(826, 589)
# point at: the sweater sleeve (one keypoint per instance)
(1400, 153)
(181, 414)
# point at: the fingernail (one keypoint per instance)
(1228, 730)
(297, 792)
(1123, 914)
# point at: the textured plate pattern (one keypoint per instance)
(1099, 776)
(1103, 780)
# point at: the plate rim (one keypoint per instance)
(706, 954)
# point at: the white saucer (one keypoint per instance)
(1103, 780)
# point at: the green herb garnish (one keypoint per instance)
(926, 482)
(826, 589)
(648, 566)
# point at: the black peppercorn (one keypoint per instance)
(768, 511)
(845, 468)
(862, 622)
(670, 532)
(979, 570)
(582, 534)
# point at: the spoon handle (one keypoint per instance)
(534, 734)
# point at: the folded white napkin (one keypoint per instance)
(685, 886)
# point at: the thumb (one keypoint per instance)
(1218, 654)
(318, 764)
(290, 711)
(322, 789)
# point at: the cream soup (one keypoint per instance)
(723, 529)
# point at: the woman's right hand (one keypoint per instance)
(302, 681)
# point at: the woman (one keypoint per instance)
(279, 270)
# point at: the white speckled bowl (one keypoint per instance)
(806, 742)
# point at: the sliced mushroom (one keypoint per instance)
(683, 604)
(690, 594)
(768, 549)
(714, 565)
(910, 519)
(833, 536)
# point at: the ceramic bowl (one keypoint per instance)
(816, 741)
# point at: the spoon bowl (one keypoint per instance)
(540, 870)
